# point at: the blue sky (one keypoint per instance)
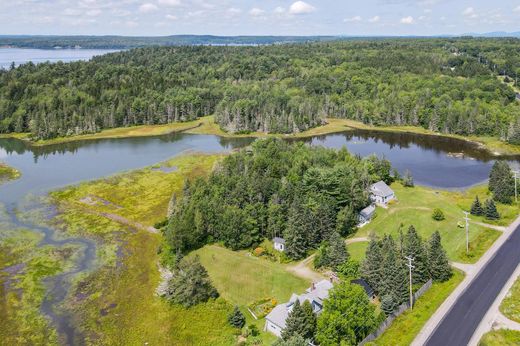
(267, 17)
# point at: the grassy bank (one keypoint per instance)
(415, 207)
(8, 173)
(510, 306)
(406, 327)
(501, 337)
(120, 132)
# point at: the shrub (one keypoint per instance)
(259, 251)
(236, 318)
(438, 215)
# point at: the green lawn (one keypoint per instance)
(242, 279)
(415, 206)
(510, 306)
(357, 250)
(501, 337)
(406, 327)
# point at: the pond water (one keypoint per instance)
(434, 161)
(23, 55)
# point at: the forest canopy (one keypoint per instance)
(445, 85)
(275, 188)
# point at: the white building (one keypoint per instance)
(381, 193)
(316, 294)
(366, 215)
(279, 244)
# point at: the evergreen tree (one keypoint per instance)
(388, 304)
(414, 247)
(190, 284)
(337, 251)
(296, 340)
(501, 182)
(476, 207)
(301, 321)
(490, 210)
(371, 269)
(440, 269)
(408, 179)
(346, 221)
(296, 235)
(236, 318)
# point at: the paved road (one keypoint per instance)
(462, 320)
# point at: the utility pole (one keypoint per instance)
(467, 230)
(516, 189)
(410, 267)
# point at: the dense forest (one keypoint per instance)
(274, 188)
(445, 85)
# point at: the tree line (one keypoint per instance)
(439, 84)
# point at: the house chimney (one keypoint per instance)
(313, 287)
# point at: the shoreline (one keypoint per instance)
(206, 126)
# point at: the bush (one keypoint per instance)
(438, 215)
(349, 269)
(259, 251)
(236, 318)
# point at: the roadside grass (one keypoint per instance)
(406, 327)
(242, 279)
(510, 306)
(415, 206)
(8, 173)
(501, 337)
(23, 266)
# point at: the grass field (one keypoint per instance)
(415, 206)
(510, 306)
(8, 173)
(406, 327)
(241, 278)
(501, 337)
(357, 250)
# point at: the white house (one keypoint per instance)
(316, 294)
(381, 193)
(279, 244)
(366, 215)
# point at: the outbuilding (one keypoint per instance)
(279, 244)
(366, 215)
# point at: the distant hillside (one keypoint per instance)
(127, 42)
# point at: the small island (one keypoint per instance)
(8, 173)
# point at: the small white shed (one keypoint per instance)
(279, 244)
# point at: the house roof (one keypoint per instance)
(381, 189)
(278, 240)
(368, 211)
(368, 290)
(318, 293)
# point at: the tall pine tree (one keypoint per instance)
(476, 207)
(440, 269)
(414, 247)
(490, 210)
(371, 269)
(301, 321)
(337, 251)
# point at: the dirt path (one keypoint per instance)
(483, 224)
(303, 269)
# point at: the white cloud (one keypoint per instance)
(233, 11)
(256, 12)
(374, 19)
(279, 10)
(517, 9)
(301, 7)
(171, 17)
(427, 10)
(407, 20)
(147, 8)
(171, 3)
(421, 18)
(71, 12)
(353, 19)
(469, 12)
